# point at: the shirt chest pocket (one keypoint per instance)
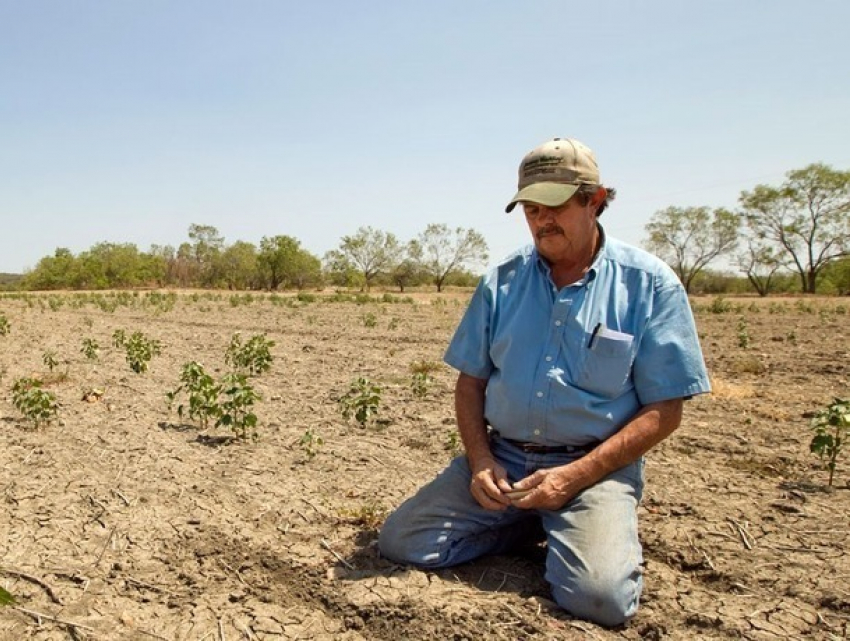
(606, 365)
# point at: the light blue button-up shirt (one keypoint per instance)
(572, 366)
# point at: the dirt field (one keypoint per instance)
(120, 521)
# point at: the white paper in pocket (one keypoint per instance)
(614, 335)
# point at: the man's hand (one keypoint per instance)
(550, 489)
(489, 484)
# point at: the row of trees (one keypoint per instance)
(801, 227)
(437, 256)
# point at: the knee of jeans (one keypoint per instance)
(399, 543)
(600, 600)
(390, 540)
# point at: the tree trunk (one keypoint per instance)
(811, 281)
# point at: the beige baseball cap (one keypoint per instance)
(551, 173)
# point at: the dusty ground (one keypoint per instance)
(119, 521)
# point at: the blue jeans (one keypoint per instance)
(594, 557)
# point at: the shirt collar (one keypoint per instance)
(544, 268)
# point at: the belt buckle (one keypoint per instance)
(535, 448)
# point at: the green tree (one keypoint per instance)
(807, 218)
(689, 238)
(340, 271)
(838, 273)
(408, 270)
(760, 264)
(110, 265)
(185, 268)
(52, 272)
(159, 265)
(283, 262)
(306, 271)
(239, 265)
(207, 246)
(369, 251)
(446, 250)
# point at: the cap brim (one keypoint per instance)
(548, 194)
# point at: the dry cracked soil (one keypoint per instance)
(122, 520)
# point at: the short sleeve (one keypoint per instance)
(469, 349)
(669, 362)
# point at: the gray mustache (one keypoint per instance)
(549, 231)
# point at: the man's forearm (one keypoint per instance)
(553, 487)
(651, 425)
(469, 409)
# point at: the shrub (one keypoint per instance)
(237, 406)
(253, 357)
(361, 401)
(36, 404)
(832, 427)
(229, 402)
(720, 305)
(140, 350)
(90, 349)
(202, 394)
(5, 327)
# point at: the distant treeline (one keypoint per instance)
(10, 281)
(785, 239)
(438, 257)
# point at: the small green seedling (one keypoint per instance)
(6, 598)
(419, 384)
(36, 404)
(5, 327)
(236, 408)
(831, 426)
(361, 401)
(140, 350)
(453, 443)
(90, 349)
(311, 442)
(371, 514)
(202, 392)
(49, 360)
(743, 333)
(252, 357)
(119, 338)
(370, 320)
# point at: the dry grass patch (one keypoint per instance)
(724, 389)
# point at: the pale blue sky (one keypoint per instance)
(128, 121)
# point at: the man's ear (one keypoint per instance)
(598, 198)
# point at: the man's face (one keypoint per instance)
(563, 233)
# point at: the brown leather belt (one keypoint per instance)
(537, 448)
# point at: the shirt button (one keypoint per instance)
(539, 394)
(537, 432)
(548, 359)
(557, 323)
